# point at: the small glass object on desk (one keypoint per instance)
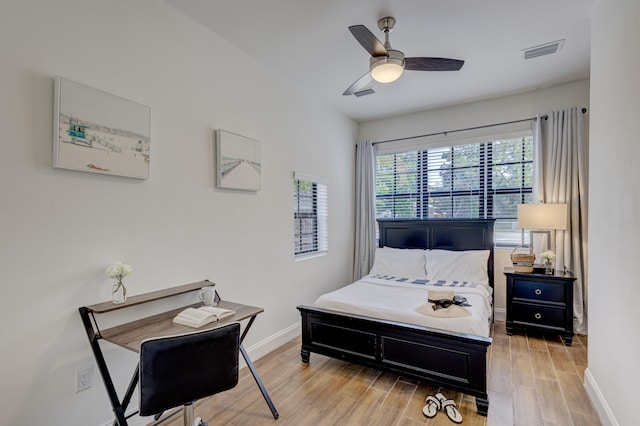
(118, 271)
(118, 292)
(207, 295)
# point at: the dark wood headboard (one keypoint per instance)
(454, 234)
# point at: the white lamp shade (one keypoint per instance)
(542, 216)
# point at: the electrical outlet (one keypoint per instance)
(83, 378)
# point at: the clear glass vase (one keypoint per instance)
(118, 292)
(548, 269)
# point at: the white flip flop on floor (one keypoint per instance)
(449, 407)
(431, 409)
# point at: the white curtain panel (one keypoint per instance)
(365, 232)
(538, 182)
(565, 177)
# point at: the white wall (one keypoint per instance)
(60, 229)
(614, 204)
(498, 110)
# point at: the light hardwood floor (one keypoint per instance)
(533, 379)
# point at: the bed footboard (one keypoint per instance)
(453, 360)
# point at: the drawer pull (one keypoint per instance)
(538, 291)
(537, 316)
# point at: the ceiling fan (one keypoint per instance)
(387, 64)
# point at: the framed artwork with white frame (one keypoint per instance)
(238, 161)
(97, 132)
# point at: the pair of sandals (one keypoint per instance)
(441, 403)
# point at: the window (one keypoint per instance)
(478, 180)
(310, 215)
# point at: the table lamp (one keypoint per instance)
(542, 219)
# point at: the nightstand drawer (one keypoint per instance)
(538, 315)
(537, 290)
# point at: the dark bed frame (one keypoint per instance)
(453, 360)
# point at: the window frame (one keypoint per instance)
(318, 216)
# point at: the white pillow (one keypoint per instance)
(468, 265)
(399, 262)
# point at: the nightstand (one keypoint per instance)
(541, 302)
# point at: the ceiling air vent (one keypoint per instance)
(365, 92)
(543, 49)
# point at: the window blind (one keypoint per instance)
(469, 180)
(311, 215)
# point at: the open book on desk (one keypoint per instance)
(197, 317)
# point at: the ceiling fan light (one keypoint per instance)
(386, 72)
(385, 69)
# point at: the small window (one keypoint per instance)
(310, 216)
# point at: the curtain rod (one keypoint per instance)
(464, 130)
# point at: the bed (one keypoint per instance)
(452, 359)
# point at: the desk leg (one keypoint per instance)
(246, 329)
(118, 410)
(132, 387)
(265, 394)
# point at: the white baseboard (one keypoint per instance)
(272, 343)
(255, 352)
(599, 402)
(499, 314)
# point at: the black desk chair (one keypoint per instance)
(178, 370)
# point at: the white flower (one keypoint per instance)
(118, 270)
(548, 256)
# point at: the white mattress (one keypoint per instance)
(397, 301)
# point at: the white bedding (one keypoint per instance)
(396, 299)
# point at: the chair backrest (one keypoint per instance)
(178, 370)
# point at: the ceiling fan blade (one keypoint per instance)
(366, 38)
(359, 84)
(432, 64)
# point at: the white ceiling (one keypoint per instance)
(309, 44)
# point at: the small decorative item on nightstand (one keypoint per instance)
(547, 258)
(522, 262)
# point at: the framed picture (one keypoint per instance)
(94, 131)
(238, 161)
